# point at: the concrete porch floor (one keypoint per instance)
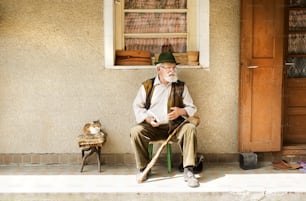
(118, 182)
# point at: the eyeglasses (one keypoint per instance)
(168, 68)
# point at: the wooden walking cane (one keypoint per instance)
(194, 120)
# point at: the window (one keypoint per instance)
(151, 25)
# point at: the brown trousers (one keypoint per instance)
(143, 133)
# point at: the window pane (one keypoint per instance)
(155, 45)
(151, 4)
(155, 23)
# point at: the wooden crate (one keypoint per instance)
(128, 57)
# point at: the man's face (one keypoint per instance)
(167, 72)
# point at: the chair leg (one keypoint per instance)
(150, 150)
(169, 157)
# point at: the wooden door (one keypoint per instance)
(294, 134)
(261, 69)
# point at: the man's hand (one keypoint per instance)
(152, 121)
(176, 112)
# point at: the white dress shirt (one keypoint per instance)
(159, 103)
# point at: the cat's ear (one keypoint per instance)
(86, 125)
(98, 123)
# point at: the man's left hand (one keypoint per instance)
(176, 112)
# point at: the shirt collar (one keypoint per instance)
(156, 81)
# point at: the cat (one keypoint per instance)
(93, 128)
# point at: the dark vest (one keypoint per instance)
(175, 99)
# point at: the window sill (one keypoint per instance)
(152, 67)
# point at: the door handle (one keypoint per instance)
(252, 66)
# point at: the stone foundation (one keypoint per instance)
(76, 158)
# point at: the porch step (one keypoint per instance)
(158, 196)
(123, 187)
(116, 183)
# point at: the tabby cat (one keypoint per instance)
(94, 127)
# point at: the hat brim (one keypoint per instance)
(158, 62)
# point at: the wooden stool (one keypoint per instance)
(168, 149)
(93, 144)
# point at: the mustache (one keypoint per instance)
(171, 77)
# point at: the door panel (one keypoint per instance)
(263, 35)
(261, 75)
(295, 113)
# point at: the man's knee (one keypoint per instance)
(190, 127)
(187, 131)
(135, 131)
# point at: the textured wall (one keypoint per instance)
(52, 79)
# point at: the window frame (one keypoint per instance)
(202, 36)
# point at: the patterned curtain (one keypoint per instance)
(155, 23)
(297, 40)
(155, 45)
(151, 4)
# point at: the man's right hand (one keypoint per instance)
(152, 121)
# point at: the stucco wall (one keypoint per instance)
(52, 79)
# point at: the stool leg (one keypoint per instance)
(83, 151)
(169, 157)
(85, 157)
(98, 150)
(150, 150)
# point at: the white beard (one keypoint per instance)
(170, 78)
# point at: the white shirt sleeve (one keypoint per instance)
(139, 105)
(190, 108)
